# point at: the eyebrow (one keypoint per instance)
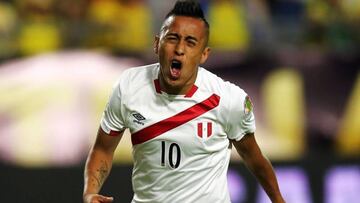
(173, 34)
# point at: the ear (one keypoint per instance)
(156, 44)
(205, 55)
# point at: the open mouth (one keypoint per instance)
(175, 69)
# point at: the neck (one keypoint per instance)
(173, 89)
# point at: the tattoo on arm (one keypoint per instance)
(101, 174)
(94, 178)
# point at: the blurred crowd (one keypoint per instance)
(127, 27)
(298, 59)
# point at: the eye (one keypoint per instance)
(171, 38)
(191, 43)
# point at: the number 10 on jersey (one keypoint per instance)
(170, 154)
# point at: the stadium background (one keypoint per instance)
(298, 60)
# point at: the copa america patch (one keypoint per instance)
(248, 105)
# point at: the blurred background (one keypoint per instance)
(299, 60)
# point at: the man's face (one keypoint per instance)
(181, 47)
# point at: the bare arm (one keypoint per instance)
(260, 166)
(98, 166)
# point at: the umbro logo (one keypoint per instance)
(138, 118)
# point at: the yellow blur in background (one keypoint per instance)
(59, 60)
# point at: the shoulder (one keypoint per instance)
(139, 72)
(216, 84)
(136, 77)
(232, 96)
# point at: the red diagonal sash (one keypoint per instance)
(172, 122)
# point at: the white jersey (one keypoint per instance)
(181, 147)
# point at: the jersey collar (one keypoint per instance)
(189, 94)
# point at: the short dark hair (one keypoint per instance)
(188, 8)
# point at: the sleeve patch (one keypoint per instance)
(248, 105)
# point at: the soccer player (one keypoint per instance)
(183, 122)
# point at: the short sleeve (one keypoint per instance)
(112, 119)
(241, 119)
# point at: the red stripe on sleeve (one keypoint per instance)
(114, 133)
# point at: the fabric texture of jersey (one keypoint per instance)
(181, 147)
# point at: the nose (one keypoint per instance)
(180, 48)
